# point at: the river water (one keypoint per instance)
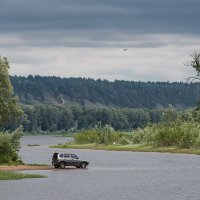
(110, 175)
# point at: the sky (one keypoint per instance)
(87, 38)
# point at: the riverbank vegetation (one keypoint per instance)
(131, 147)
(10, 111)
(178, 132)
(10, 146)
(33, 145)
(5, 175)
(180, 129)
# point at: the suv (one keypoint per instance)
(60, 160)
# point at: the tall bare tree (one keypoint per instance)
(195, 63)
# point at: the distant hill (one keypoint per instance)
(101, 93)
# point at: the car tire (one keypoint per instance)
(62, 165)
(83, 165)
(56, 166)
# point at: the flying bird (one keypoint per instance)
(125, 49)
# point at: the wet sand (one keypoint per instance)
(24, 167)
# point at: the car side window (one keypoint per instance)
(66, 156)
(61, 155)
(74, 157)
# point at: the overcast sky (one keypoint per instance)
(86, 38)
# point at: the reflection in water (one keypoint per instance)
(110, 175)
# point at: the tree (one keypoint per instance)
(9, 104)
(10, 110)
(195, 63)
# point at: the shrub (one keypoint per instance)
(123, 141)
(87, 136)
(145, 135)
(10, 146)
(189, 135)
(179, 134)
(99, 135)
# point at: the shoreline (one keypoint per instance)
(131, 148)
(25, 167)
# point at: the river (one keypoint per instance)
(110, 175)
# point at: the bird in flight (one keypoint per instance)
(125, 49)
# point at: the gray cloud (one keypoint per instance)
(136, 16)
(86, 37)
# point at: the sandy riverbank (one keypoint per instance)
(24, 167)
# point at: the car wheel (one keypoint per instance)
(62, 165)
(83, 165)
(56, 166)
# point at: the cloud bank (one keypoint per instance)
(86, 38)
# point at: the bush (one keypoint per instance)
(99, 135)
(123, 141)
(87, 136)
(144, 136)
(10, 146)
(179, 134)
(189, 135)
(177, 128)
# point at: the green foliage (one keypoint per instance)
(169, 116)
(9, 107)
(143, 136)
(123, 141)
(33, 145)
(9, 146)
(90, 92)
(99, 135)
(44, 119)
(176, 129)
(87, 136)
(14, 175)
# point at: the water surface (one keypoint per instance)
(111, 175)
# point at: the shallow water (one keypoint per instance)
(110, 175)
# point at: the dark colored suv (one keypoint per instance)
(60, 160)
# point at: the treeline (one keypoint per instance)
(90, 92)
(50, 118)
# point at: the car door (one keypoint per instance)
(67, 159)
(74, 159)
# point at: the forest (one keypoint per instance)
(53, 104)
(51, 118)
(102, 93)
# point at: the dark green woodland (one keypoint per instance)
(90, 92)
(69, 104)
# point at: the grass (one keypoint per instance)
(38, 165)
(5, 175)
(133, 148)
(33, 145)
